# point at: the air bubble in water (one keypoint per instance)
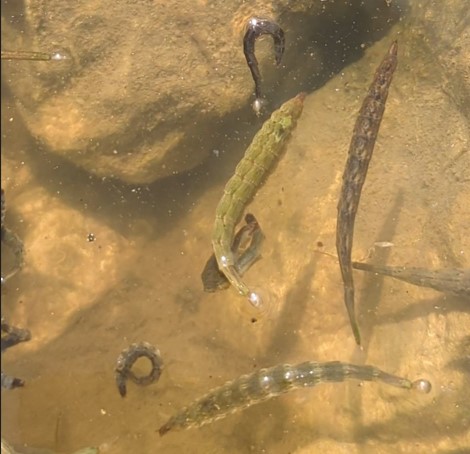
(422, 385)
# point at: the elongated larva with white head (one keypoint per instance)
(38, 56)
(260, 157)
(265, 384)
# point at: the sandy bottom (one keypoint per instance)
(139, 279)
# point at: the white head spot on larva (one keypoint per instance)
(258, 105)
(422, 385)
(255, 300)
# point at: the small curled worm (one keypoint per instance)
(126, 360)
(254, 29)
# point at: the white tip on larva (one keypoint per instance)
(58, 56)
(255, 300)
(422, 385)
(258, 105)
(263, 304)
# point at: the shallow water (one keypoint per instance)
(84, 301)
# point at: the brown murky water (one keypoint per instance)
(84, 301)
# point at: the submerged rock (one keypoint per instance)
(144, 83)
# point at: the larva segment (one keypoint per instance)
(260, 157)
(265, 384)
(355, 172)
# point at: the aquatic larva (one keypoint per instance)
(254, 29)
(126, 360)
(27, 55)
(246, 248)
(449, 280)
(359, 155)
(13, 242)
(265, 384)
(250, 173)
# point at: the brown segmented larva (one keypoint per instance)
(355, 172)
(265, 384)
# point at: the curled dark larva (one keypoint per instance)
(126, 360)
(254, 29)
